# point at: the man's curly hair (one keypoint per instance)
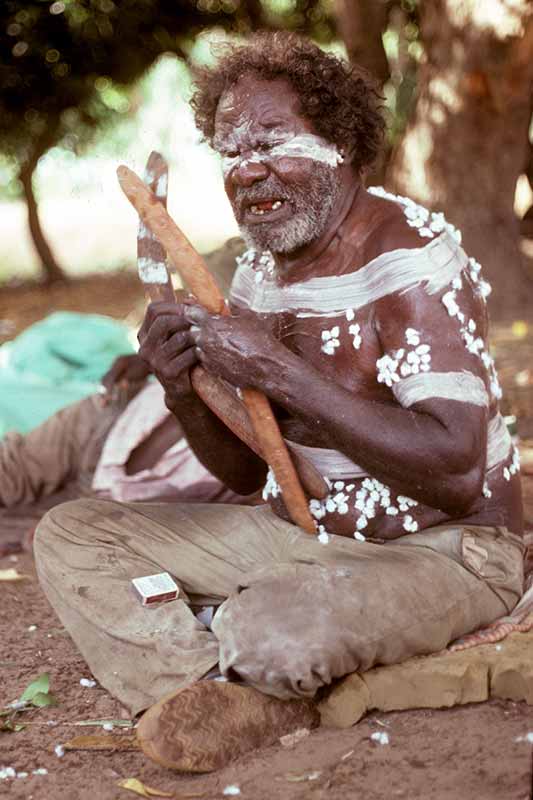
(341, 100)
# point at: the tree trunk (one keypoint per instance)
(361, 24)
(52, 270)
(466, 145)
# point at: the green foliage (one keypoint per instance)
(37, 694)
(65, 64)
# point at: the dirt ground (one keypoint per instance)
(465, 753)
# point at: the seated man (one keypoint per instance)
(362, 319)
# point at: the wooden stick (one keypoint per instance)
(227, 406)
(194, 272)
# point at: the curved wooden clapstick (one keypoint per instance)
(194, 272)
(181, 253)
(227, 406)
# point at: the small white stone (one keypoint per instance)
(40, 771)
(87, 683)
(32, 628)
(391, 511)
(381, 737)
(361, 523)
(359, 536)
(350, 314)
(232, 789)
(59, 750)
(7, 772)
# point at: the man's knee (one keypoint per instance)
(65, 522)
(279, 643)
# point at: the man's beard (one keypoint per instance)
(311, 206)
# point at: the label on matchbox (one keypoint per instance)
(158, 588)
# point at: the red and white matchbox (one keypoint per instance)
(158, 588)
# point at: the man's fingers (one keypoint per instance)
(113, 374)
(160, 331)
(195, 314)
(174, 369)
(156, 311)
(177, 343)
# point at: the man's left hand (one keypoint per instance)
(235, 348)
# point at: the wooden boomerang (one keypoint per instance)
(194, 272)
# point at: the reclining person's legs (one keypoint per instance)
(35, 465)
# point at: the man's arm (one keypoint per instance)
(166, 345)
(433, 450)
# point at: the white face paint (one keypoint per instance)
(303, 145)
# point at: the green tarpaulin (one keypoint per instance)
(56, 362)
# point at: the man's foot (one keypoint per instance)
(205, 726)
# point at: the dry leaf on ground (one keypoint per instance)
(97, 723)
(102, 743)
(135, 785)
(295, 777)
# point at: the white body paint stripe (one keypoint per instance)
(330, 463)
(499, 442)
(433, 266)
(333, 464)
(462, 386)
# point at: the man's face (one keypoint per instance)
(280, 176)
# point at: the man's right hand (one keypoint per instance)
(167, 346)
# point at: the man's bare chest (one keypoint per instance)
(340, 348)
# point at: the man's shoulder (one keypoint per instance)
(397, 223)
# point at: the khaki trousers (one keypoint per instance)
(293, 614)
